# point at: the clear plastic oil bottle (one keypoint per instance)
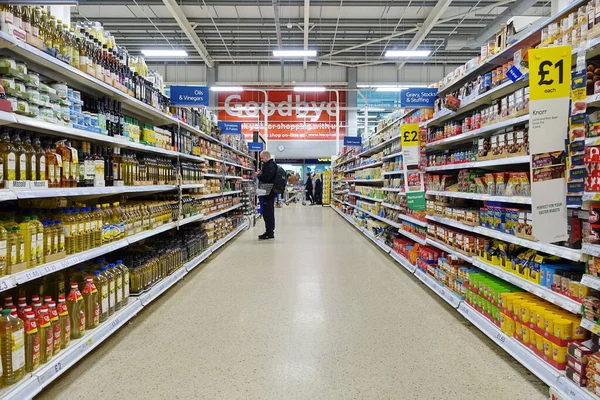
(111, 290)
(101, 284)
(54, 321)
(65, 322)
(32, 343)
(46, 335)
(12, 348)
(90, 301)
(76, 311)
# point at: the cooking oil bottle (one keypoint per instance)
(76, 312)
(9, 157)
(31, 167)
(21, 257)
(65, 322)
(4, 249)
(118, 221)
(39, 243)
(118, 285)
(11, 251)
(79, 229)
(101, 284)
(111, 289)
(96, 240)
(90, 301)
(12, 348)
(46, 335)
(29, 233)
(40, 159)
(125, 277)
(87, 226)
(36, 304)
(106, 225)
(32, 343)
(49, 238)
(66, 180)
(55, 322)
(70, 232)
(21, 157)
(59, 236)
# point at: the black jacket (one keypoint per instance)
(318, 186)
(269, 172)
(309, 185)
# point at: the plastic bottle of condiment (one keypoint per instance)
(18, 237)
(32, 342)
(12, 348)
(96, 240)
(55, 322)
(65, 322)
(46, 335)
(90, 301)
(70, 232)
(76, 312)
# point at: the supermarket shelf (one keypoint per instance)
(210, 216)
(593, 100)
(590, 325)
(413, 220)
(376, 164)
(379, 147)
(345, 161)
(364, 180)
(192, 186)
(526, 357)
(477, 132)
(392, 172)
(482, 164)
(483, 197)
(449, 297)
(368, 234)
(34, 383)
(448, 250)
(392, 206)
(218, 176)
(233, 177)
(387, 221)
(403, 261)
(571, 254)
(397, 190)
(412, 236)
(397, 154)
(364, 197)
(540, 291)
(591, 196)
(89, 191)
(212, 195)
(591, 281)
(469, 104)
(573, 392)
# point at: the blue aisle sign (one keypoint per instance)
(230, 128)
(514, 73)
(418, 97)
(352, 141)
(193, 96)
(256, 146)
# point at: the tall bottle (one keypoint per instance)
(55, 322)
(70, 232)
(96, 240)
(46, 335)
(76, 311)
(91, 304)
(99, 166)
(31, 172)
(39, 248)
(118, 221)
(101, 284)
(65, 153)
(4, 248)
(20, 245)
(107, 225)
(9, 157)
(59, 237)
(32, 342)
(52, 166)
(119, 266)
(12, 348)
(112, 299)
(29, 233)
(65, 322)
(21, 157)
(40, 159)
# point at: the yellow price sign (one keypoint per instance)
(409, 134)
(550, 72)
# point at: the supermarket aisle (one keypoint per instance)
(320, 313)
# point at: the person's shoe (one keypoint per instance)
(266, 236)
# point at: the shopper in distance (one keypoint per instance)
(308, 186)
(318, 189)
(273, 174)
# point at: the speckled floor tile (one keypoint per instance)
(319, 313)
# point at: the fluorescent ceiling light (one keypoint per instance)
(309, 89)
(294, 53)
(407, 53)
(227, 89)
(165, 53)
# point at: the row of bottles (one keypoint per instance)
(32, 333)
(69, 164)
(110, 110)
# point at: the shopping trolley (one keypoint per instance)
(295, 194)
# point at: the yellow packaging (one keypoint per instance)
(547, 347)
(541, 320)
(510, 326)
(519, 329)
(517, 307)
(525, 334)
(503, 319)
(532, 337)
(539, 342)
(559, 354)
(533, 310)
(577, 331)
(549, 322)
(525, 311)
(563, 328)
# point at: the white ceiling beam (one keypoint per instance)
(432, 18)
(404, 32)
(189, 31)
(306, 29)
(517, 9)
(277, 24)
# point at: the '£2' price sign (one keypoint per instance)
(550, 72)
(409, 134)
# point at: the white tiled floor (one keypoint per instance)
(319, 313)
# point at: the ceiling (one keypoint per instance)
(246, 31)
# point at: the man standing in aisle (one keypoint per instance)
(308, 186)
(267, 174)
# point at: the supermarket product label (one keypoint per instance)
(550, 72)
(548, 122)
(548, 207)
(415, 200)
(230, 128)
(514, 73)
(409, 136)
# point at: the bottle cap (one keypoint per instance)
(111, 265)
(89, 279)
(29, 315)
(74, 285)
(51, 304)
(96, 272)
(26, 218)
(119, 262)
(6, 311)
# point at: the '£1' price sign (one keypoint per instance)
(550, 72)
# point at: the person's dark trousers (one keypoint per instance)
(309, 197)
(268, 214)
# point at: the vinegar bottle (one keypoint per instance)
(90, 301)
(12, 348)
(32, 343)
(56, 328)
(46, 335)
(65, 322)
(30, 159)
(76, 312)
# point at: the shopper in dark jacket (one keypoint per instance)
(318, 189)
(308, 186)
(267, 175)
